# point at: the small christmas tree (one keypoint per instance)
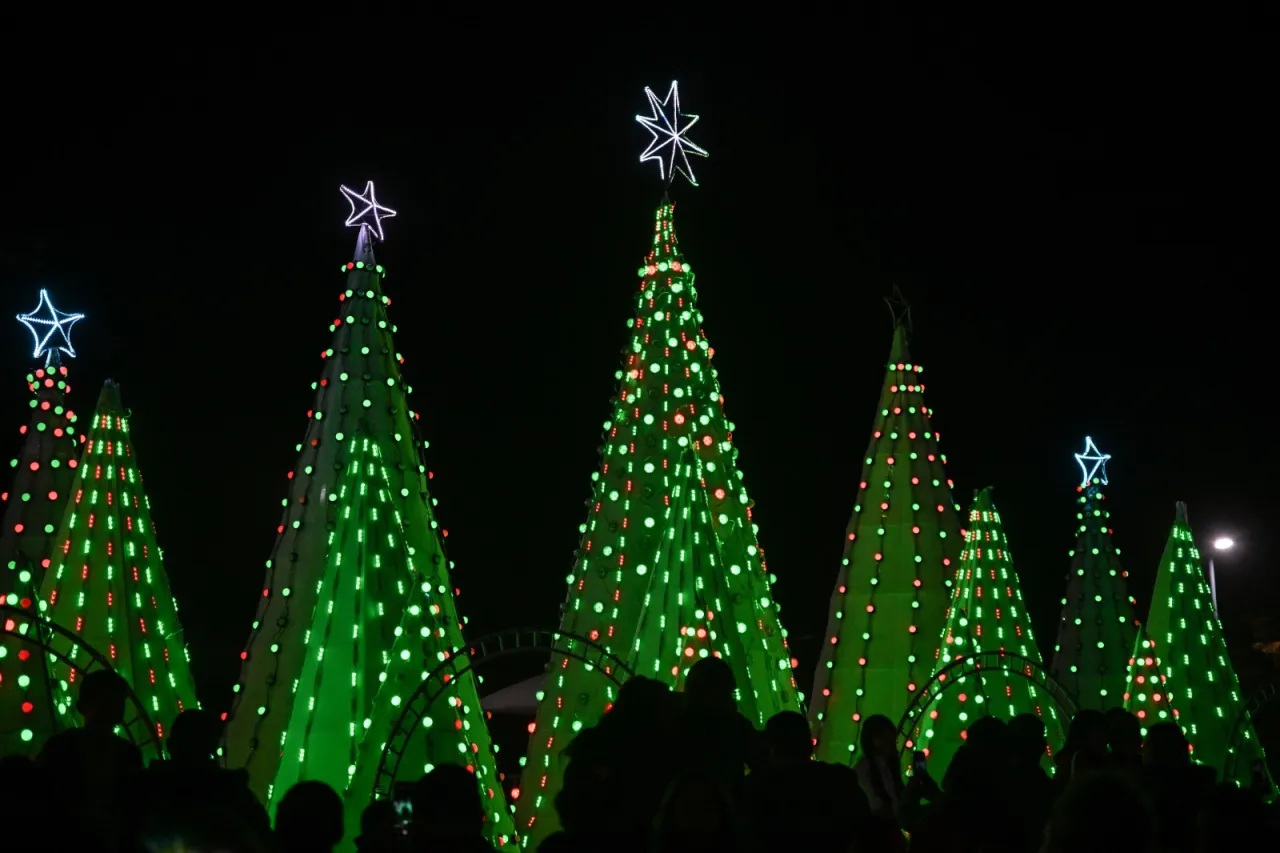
(987, 614)
(1202, 683)
(107, 583)
(358, 604)
(901, 547)
(669, 569)
(1098, 629)
(33, 507)
(1146, 694)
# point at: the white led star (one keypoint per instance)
(668, 134)
(365, 209)
(1093, 463)
(47, 321)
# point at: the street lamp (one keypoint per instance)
(1222, 543)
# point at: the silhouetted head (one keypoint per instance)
(642, 697)
(1124, 732)
(988, 734)
(1027, 743)
(194, 737)
(1166, 746)
(788, 738)
(103, 694)
(709, 686)
(879, 736)
(1088, 733)
(309, 817)
(447, 805)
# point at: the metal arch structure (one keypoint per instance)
(1258, 699)
(960, 668)
(84, 658)
(491, 647)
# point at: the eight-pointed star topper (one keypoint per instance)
(365, 209)
(1093, 463)
(50, 328)
(670, 146)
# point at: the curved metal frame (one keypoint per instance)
(1258, 699)
(951, 675)
(44, 630)
(490, 647)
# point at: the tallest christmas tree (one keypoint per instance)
(669, 569)
(358, 604)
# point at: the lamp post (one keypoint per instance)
(1222, 543)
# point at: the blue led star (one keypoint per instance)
(365, 209)
(1093, 463)
(669, 140)
(44, 323)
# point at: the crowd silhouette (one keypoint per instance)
(662, 771)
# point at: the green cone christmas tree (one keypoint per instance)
(1098, 628)
(890, 601)
(34, 504)
(987, 614)
(358, 604)
(1202, 683)
(107, 582)
(1146, 694)
(669, 569)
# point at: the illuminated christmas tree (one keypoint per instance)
(890, 601)
(987, 614)
(107, 583)
(1098, 629)
(1146, 694)
(358, 605)
(1202, 683)
(669, 569)
(33, 508)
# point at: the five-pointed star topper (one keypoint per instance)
(1093, 463)
(47, 321)
(365, 209)
(669, 139)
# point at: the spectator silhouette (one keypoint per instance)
(1101, 812)
(1231, 820)
(976, 777)
(378, 830)
(717, 740)
(1030, 789)
(309, 819)
(880, 778)
(1175, 785)
(1085, 749)
(618, 770)
(794, 801)
(98, 769)
(448, 814)
(1124, 734)
(698, 816)
(192, 789)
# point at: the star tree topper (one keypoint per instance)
(50, 328)
(1093, 463)
(669, 140)
(365, 209)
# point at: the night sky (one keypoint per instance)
(1082, 219)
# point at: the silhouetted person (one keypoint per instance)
(97, 769)
(698, 816)
(1030, 789)
(1175, 785)
(718, 741)
(976, 777)
(191, 787)
(794, 801)
(880, 777)
(1101, 812)
(309, 819)
(448, 813)
(378, 830)
(618, 770)
(1124, 734)
(1085, 749)
(1231, 820)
